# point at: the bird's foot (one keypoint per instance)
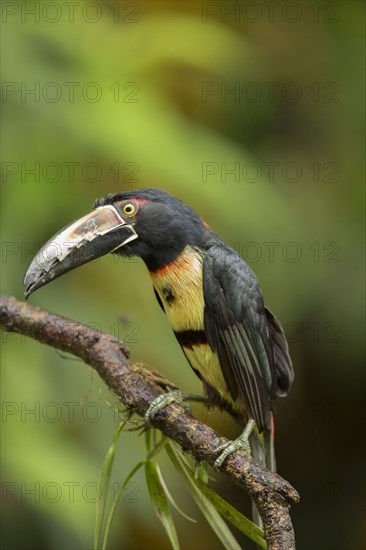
(162, 401)
(241, 443)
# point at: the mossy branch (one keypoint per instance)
(136, 388)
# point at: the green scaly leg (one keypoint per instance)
(242, 443)
(165, 399)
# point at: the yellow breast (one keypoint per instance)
(179, 286)
(180, 289)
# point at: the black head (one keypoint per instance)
(163, 223)
(149, 223)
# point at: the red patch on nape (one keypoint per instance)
(163, 270)
(182, 262)
(140, 201)
(205, 224)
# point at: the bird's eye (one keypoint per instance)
(129, 208)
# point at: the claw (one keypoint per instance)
(241, 443)
(162, 401)
(228, 448)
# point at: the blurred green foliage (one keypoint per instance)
(140, 97)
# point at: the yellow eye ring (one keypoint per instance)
(129, 208)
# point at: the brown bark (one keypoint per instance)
(136, 388)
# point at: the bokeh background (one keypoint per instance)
(253, 114)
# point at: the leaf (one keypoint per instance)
(104, 479)
(153, 452)
(237, 519)
(208, 510)
(250, 529)
(115, 503)
(171, 500)
(160, 501)
(201, 472)
(158, 447)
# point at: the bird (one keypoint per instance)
(211, 298)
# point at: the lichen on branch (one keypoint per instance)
(136, 388)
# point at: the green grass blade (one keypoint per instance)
(158, 447)
(208, 510)
(153, 452)
(171, 499)
(160, 501)
(115, 502)
(104, 481)
(250, 529)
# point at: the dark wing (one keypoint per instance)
(237, 329)
(283, 363)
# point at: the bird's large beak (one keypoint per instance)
(96, 234)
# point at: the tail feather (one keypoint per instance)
(263, 452)
(262, 445)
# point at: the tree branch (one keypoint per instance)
(135, 388)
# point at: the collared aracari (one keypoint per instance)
(211, 298)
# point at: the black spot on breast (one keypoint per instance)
(168, 294)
